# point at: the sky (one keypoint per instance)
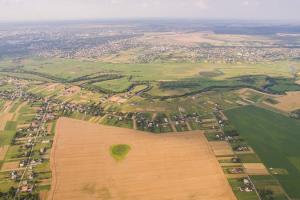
(39, 10)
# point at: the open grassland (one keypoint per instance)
(26, 76)
(68, 69)
(275, 138)
(170, 166)
(116, 85)
(167, 79)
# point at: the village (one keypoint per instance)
(34, 141)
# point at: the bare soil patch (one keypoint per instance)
(73, 90)
(288, 102)
(9, 166)
(117, 99)
(3, 151)
(255, 169)
(221, 148)
(7, 106)
(3, 119)
(43, 194)
(21, 126)
(158, 167)
(17, 112)
(52, 86)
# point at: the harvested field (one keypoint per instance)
(221, 148)
(3, 151)
(236, 175)
(17, 112)
(225, 158)
(3, 119)
(7, 106)
(71, 91)
(117, 99)
(5, 116)
(170, 166)
(288, 102)
(255, 169)
(9, 166)
(52, 86)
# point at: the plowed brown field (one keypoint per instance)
(158, 167)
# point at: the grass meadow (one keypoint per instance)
(68, 69)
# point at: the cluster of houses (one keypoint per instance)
(242, 148)
(244, 54)
(156, 123)
(26, 187)
(236, 170)
(247, 186)
(122, 116)
(68, 108)
(180, 119)
(145, 122)
(230, 54)
(233, 137)
(28, 137)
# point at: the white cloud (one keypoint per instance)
(87, 9)
(202, 4)
(115, 2)
(246, 3)
(145, 4)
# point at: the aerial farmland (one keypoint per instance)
(138, 112)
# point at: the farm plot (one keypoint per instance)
(4, 117)
(275, 138)
(169, 166)
(255, 169)
(221, 148)
(288, 102)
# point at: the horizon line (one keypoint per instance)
(115, 19)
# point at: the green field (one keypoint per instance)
(268, 183)
(116, 85)
(68, 69)
(10, 126)
(275, 138)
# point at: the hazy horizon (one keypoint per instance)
(61, 10)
